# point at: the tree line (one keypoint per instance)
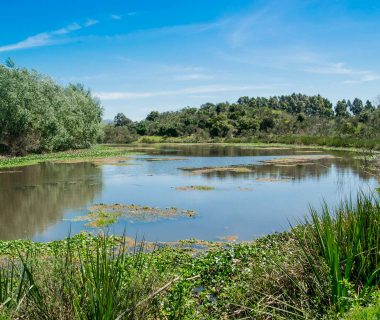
(38, 115)
(295, 114)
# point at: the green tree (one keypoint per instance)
(121, 120)
(357, 106)
(341, 109)
(38, 115)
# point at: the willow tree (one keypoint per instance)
(37, 114)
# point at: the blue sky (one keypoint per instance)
(139, 55)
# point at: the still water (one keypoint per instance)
(39, 202)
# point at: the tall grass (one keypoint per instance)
(347, 241)
(84, 281)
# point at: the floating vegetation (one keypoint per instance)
(230, 238)
(118, 161)
(272, 179)
(245, 189)
(192, 188)
(378, 190)
(99, 218)
(102, 215)
(205, 170)
(299, 160)
(163, 159)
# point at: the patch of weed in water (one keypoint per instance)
(102, 215)
(197, 188)
(206, 170)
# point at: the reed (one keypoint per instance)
(347, 241)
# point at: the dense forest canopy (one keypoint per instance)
(37, 115)
(295, 114)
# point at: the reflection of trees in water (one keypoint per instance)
(38, 196)
(315, 170)
(220, 151)
(344, 163)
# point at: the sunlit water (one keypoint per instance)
(39, 202)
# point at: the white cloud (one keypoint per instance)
(115, 17)
(333, 68)
(47, 38)
(341, 69)
(91, 22)
(68, 29)
(41, 39)
(192, 76)
(183, 91)
(365, 78)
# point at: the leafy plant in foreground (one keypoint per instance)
(348, 242)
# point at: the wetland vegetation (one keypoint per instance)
(324, 266)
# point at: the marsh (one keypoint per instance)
(251, 191)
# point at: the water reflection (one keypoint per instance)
(316, 170)
(36, 201)
(344, 162)
(34, 197)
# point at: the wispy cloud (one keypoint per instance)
(90, 22)
(66, 30)
(365, 78)
(181, 30)
(192, 76)
(121, 95)
(340, 68)
(241, 28)
(115, 17)
(47, 38)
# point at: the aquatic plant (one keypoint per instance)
(320, 269)
(199, 188)
(103, 215)
(88, 155)
(347, 241)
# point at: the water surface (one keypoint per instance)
(39, 202)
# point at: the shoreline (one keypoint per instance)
(114, 150)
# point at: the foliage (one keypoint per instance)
(293, 115)
(371, 312)
(347, 241)
(319, 270)
(37, 115)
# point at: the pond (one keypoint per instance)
(232, 192)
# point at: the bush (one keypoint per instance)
(38, 115)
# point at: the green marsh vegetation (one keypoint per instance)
(103, 215)
(97, 152)
(326, 267)
(195, 188)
